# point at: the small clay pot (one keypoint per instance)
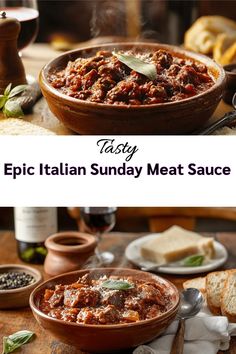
(68, 251)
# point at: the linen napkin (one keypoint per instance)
(204, 333)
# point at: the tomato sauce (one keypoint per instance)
(102, 78)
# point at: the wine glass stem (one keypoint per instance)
(97, 249)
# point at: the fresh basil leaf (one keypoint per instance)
(3, 100)
(17, 90)
(117, 285)
(16, 340)
(13, 109)
(193, 261)
(147, 69)
(7, 90)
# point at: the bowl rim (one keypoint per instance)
(165, 315)
(52, 243)
(175, 49)
(35, 272)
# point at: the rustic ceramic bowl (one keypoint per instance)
(15, 298)
(68, 251)
(178, 117)
(104, 338)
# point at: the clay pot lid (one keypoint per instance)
(9, 27)
(71, 242)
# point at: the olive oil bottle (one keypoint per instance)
(32, 227)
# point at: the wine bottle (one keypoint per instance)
(32, 227)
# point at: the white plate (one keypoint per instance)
(133, 254)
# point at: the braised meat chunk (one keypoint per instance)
(81, 297)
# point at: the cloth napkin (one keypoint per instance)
(204, 333)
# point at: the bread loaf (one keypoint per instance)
(202, 35)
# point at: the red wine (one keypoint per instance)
(98, 220)
(28, 19)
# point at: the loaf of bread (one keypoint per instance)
(202, 35)
(176, 243)
(16, 126)
(228, 296)
(219, 288)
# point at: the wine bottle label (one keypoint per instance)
(35, 224)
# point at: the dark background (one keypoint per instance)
(140, 224)
(161, 20)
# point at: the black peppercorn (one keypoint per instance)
(14, 280)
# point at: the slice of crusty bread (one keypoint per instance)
(197, 283)
(16, 126)
(176, 243)
(228, 297)
(215, 282)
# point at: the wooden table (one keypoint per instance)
(12, 321)
(34, 58)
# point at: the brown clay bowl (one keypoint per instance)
(178, 117)
(15, 298)
(104, 338)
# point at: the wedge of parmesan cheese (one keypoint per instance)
(175, 244)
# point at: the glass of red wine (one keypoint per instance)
(26, 12)
(98, 220)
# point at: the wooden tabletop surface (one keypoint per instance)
(34, 58)
(12, 321)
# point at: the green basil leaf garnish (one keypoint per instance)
(17, 90)
(147, 69)
(16, 340)
(117, 285)
(3, 100)
(193, 261)
(9, 104)
(7, 89)
(13, 109)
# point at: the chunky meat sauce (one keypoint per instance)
(104, 79)
(88, 302)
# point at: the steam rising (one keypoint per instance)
(108, 18)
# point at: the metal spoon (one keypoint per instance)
(227, 118)
(155, 268)
(191, 303)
